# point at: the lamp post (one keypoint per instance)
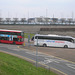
(37, 53)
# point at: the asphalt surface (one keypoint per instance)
(63, 66)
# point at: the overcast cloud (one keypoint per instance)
(36, 8)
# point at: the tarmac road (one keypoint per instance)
(62, 66)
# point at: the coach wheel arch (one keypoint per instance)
(65, 46)
(44, 45)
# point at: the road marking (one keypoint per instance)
(57, 57)
(32, 53)
(53, 56)
(16, 49)
(33, 61)
(59, 71)
(47, 61)
(71, 66)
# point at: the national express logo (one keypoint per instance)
(55, 41)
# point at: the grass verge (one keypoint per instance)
(26, 35)
(11, 65)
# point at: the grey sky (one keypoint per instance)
(36, 8)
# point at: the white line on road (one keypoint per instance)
(71, 66)
(47, 61)
(16, 49)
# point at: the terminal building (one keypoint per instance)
(38, 20)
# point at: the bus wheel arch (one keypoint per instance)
(44, 45)
(65, 46)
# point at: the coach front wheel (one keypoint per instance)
(44, 45)
(65, 46)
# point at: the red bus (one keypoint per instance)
(11, 36)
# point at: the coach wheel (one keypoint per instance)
(44, 45)
(65, 46)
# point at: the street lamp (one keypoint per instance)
(37, 53)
